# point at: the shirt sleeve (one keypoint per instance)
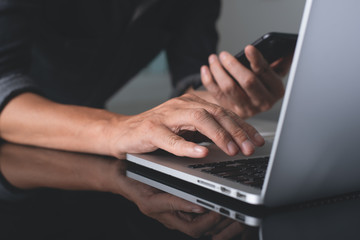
(15, 48)
(195, 38)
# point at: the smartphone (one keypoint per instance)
(273, 46)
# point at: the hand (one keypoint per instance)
(173, 212)
(83, 129)
(254, 91)
(162, 126)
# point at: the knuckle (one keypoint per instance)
(172, 140)
(185, 98)
(249, 82)
(265, 106)
(145, 209)
(230, 87)
(219, 112)
(261, 69)
(181, 99)
(188, 95)
(174, 102)
(239, 134)
(171, 205)
(199, 115)
(220, 135)
(218, 94)
(149, 125)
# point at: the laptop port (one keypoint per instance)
(225, 211)
(240, 195)
(206, 184)
(240, 217)
(225, 190)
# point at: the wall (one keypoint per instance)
(241, 22)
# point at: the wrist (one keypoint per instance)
(110, 132)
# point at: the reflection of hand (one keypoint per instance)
(257, 89)
(162, 126)
(232, 230)
(173, 212)
(235, 229)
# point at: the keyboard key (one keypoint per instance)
(246, 171)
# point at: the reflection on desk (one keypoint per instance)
(48, 194)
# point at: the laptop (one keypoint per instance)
(314, 153)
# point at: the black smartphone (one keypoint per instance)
(273, 46)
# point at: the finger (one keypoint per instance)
(195, 229)
(207, 124)
(225, 82)
(209, 83)
(258, 94)
(223, 127)
(282, 66)
(230, 232)
(169, 141)
(195, 117)
(262, 69)
(189, 217)
(212, 121)
(238, 134)
(224, 223)
(220, 226)
(239, 100)
(242, 133)
(164, 202)
(203, 223)
(251, 132)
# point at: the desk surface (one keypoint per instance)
(70, 210)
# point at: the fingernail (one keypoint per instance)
(232, 148)
(212, 59)
(203, 70)
(259, 139)
(249, 51)
(197, 210)
(223, 55)
(247, 147)
(200, 150)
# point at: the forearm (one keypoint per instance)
(29, 168)
(34, 120)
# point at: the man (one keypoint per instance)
(60, 61)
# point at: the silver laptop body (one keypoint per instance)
(195, 194)
(314, 153)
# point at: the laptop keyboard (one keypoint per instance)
(246, 171)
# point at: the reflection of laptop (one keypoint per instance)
(314, 152)
(249, 214)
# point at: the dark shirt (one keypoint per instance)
(82, 51)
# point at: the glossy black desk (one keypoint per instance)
(70, 211)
